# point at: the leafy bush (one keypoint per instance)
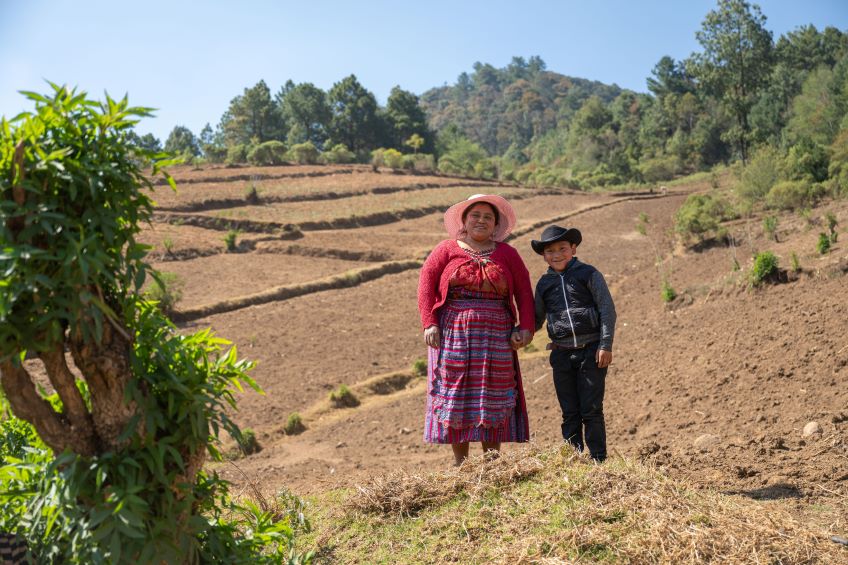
(793, 194)
(667, 292)
(393, 159)
(247, 442)
(294, 424)
(770, 226)
(760, 175)
(304, 153)
(806, 161)
(701, 214)
(237, 154)
(832, 222)
(338, 154)
(268, 153)
(166, 290)
(765, 267)
(461, 158)
(660, 168)
(823, 244)
(343, 397)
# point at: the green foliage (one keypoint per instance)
(166, 290)
(760, 174)
(16, 437)
(294, 424)
(419, 367)
(343, 397)
(414, 142)
(304, 153)
(305, 108)
(391, 158)
(237, 154)
(253, 118)
(832, 222)
(461, 157)
(765, 267)
(806, 161)
(659, 169)
(247, 442)
(823, 244)
(793, 195)
(701, 214)
(230, 241)
(770, 226)
(796, 264)
(268, 153)
(667, 292)
(353, 120)
(182, 142)
(338, 154)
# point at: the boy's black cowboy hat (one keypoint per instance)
(556, 233)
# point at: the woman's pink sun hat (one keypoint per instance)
(506, 215)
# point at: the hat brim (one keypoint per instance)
(506, 215)
(571, 235)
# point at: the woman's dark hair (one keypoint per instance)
(489, 204)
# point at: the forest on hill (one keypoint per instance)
(744, 95)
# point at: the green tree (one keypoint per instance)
(354, 120)
(669, 77)
(130, 437)
(405, 118)
(181, 141)
(736, 62)
(307, 112)
(147, 142)
(817, 112)
(253, 117)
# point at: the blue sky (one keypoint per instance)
(189, 59)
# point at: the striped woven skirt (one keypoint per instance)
(474, 383)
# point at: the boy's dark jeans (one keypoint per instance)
(579, 386)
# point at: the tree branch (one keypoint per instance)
(75, 410)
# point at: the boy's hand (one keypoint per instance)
(603, 358)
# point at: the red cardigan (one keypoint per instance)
(444, 260)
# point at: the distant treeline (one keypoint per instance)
(741, 93)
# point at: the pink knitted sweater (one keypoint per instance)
(443, 261)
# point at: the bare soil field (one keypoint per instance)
(740, 369)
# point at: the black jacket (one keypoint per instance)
(577, 306)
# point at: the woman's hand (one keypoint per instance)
(520, 338)
(432, 336)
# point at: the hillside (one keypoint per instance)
(332, 253)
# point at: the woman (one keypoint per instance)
(467, 293)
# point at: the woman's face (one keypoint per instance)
(480, 222)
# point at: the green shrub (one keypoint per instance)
(796, 264)
(215, 153)
(760, 174)
(806, 161)
(166, 290)
(294, 424)
(832, 222)
(419, 367)
(338, 154)
(667, 292)
(168, 245)
(393, 159)
(377, 158)
(823, 244)
(237, 154)
(304, 153)
(230, 241)
(343, 397)
(247, 442)
(770, 226)
(268, 153)
(701, 214)
(660, 168)
(765, 266)
(792, 195)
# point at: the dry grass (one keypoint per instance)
(553, 506)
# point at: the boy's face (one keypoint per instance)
(558, 254)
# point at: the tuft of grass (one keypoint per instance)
(667, 292)
(823, 244)
(554, 506)
(770, 227)
(168, 244)
(765, 267)
(230, 241)
(294, 424)
(247, 442)
(419, 367)
(167, 291)
(796, 264)
(343, 397)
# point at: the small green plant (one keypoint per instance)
(770, 226)
(736, 265)
(247, 442)
(166, 290)
(419, 367)
(294, 424)
(667, 292)
(168, 244)
(830, 218)
(230, 241)
(823, 244)
(642, 224)
(796, 264)
(343, 397)
(765, 266)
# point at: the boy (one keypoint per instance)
(574, 299)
